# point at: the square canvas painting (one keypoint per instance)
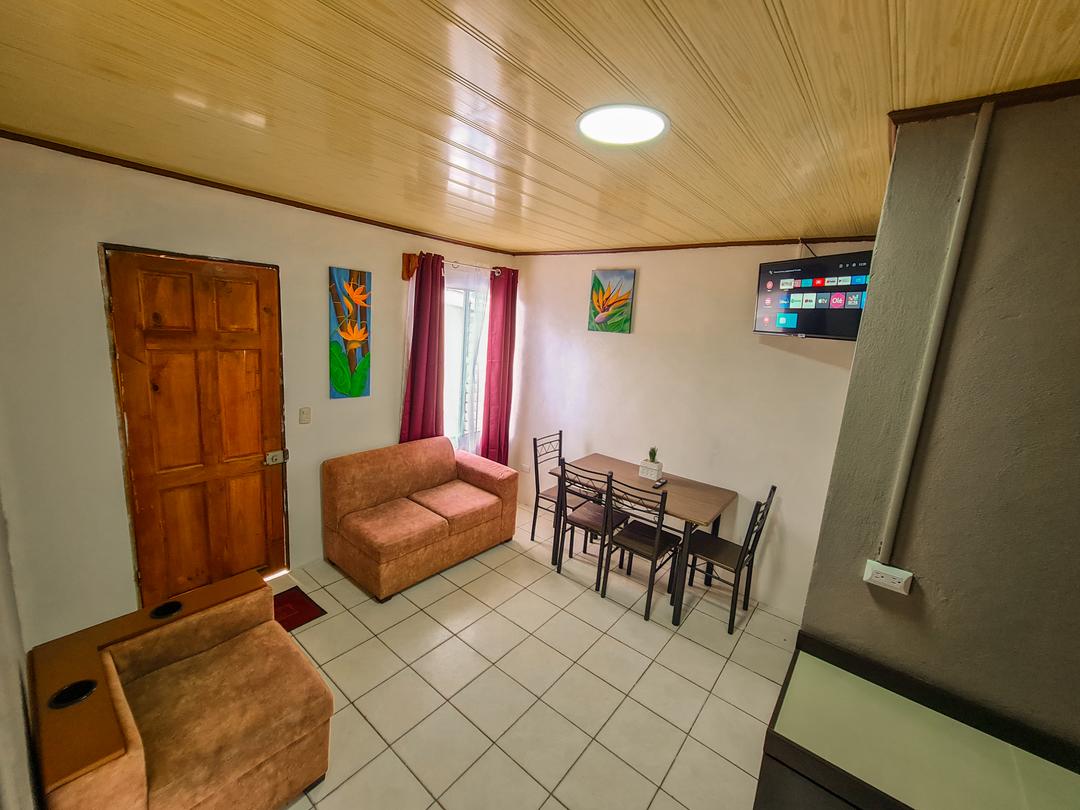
(350, 333)
(612, 300)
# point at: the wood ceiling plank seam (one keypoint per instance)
(800, 72)
(679, 39)
(1007, 56)
(495, 47)
(630, 179)
(463, 215)
(564, 24)
(553, 165)
(638, 228)
(298, 77)
(897, 51)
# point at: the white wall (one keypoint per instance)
(61, 469)
(724, 405)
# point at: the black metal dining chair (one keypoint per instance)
(546, 449)
(642, 535)
(731, 557)
(592, 514)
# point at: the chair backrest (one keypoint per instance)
(545, 449)
(587, 484)
(646, 506)
(756, 527)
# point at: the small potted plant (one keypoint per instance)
(651, 468)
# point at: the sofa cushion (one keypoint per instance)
(463, 505)
(393, 529)
(206, 720)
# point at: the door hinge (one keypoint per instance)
(138, 575)
(276, 457)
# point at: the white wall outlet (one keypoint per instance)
(305, 415)
(885, 576)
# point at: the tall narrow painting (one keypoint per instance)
(350, 333)
(612, 301)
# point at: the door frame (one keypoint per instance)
(104, 248)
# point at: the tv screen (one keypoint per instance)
(821, 297)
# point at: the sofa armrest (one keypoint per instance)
(498, 479)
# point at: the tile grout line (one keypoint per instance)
(536, 699)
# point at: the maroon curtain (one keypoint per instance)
(499, 380)
(422, 410)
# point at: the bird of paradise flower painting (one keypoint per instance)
(612, 300)
(350, 338)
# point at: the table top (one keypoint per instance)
(909, 751)
(689, 500)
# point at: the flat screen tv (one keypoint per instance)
(819, 297)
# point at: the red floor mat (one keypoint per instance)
(294, 608)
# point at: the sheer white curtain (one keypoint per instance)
(465, 324)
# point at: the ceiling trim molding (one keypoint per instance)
(1010, 98)
(812, 240)
(58, 146)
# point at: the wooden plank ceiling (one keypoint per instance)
(458, 118)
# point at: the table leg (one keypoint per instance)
(680, 583)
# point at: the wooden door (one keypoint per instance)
(198, 366)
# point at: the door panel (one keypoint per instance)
(186, 542)
(168, 301)
(237, 306)
(174, 409)
(240, 395)
(199, 380)
(245, 513)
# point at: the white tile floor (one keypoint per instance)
(500, 684)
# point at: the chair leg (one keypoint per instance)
(572, 530)
(604, 543)
(734, 605)
(693, 569)
(622, 557)
(607, 570)
(746, 592)
(648, 595)
(536, 513)
(629, 563)
(708, 574)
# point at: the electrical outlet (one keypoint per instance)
(888, 577)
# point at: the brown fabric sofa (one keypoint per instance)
(394, 516)
(217, 708)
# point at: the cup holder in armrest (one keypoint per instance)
(167, 609)
(71, 694)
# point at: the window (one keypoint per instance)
(465, 321)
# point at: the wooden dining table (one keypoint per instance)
(695, 503)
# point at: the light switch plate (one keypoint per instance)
(305, 415)
(888, 577)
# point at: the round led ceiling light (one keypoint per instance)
(622, 124)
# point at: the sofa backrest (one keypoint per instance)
(360, 480)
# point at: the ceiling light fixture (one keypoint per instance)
(622, 124)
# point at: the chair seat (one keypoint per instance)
(590, 517)
(552, 494)
(205, 720)
(639, 537)
(716, 550)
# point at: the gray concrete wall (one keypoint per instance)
(991, 518)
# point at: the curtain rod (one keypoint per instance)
(456, 264)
